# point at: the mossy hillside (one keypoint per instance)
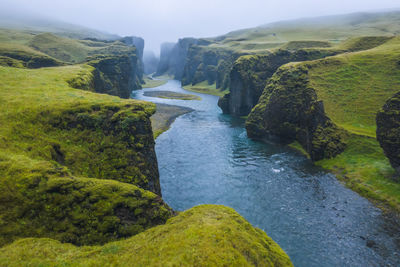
(388, 130)
(40, 198)
(51, 136)
(250, 73)
(354, 86)
(206, 235)
(289, 109)
(97, 135)
(332, 29)
(296, 45)
(64, 49)
(25, 57)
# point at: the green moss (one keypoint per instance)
(42, 199)
(289, 109)
(364, 168)
(51, 135)
(355, 86)
(204, 235)
(63, 49)
(27, 56)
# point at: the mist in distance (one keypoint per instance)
(159, 21)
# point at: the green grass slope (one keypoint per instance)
(354, 87)
(64, 49)
(206, 235)
(25, 45)
(56, 142)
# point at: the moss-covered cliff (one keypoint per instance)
(208, 64)
(388, 130)
(250, 74)
(115, 75)
(289, 110)
(74, 164)
(206, 235)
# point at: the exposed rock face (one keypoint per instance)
(165, 54)
(150, 62)
(116, 75)
(388, 130)
(125, 150)
(289, 110)
(250, 74)
(208, 64)
(139, 44)
(173, 57)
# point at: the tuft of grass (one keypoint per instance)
(207, 235)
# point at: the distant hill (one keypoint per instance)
(333, 29)
(37, 24)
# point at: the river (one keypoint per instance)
(206, 157)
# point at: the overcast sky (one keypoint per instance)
(158, 21)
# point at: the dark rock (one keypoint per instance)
(370, 243)
(116, 75)
(388, 130)
(139, 44)
(290, 110)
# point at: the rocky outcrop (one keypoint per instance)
(388, 130)
(250, 74)
(290, 110)
(124, 150)
(115, 75)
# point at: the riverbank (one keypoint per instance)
(205, 88)
(152, 82)
(165, 115)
